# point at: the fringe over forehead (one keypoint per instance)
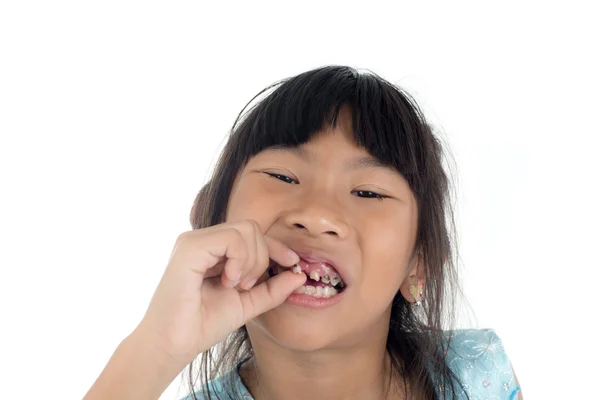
(386, 121)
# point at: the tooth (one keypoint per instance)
(314, 275)
(297, 269)
(325, 279)
(334, 280)
(329, 292)
(310, 290)
(319, 292)
(300, 290)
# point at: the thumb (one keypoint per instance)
(270, 293)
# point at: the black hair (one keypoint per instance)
(390, 125)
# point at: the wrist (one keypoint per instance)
(163, 347)
(148, 342)
(139, 368)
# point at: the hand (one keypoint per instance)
(208, 289)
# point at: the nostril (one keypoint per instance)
(317, 230)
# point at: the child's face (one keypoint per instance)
(370, 240)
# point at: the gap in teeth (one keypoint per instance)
(315, 276)
(333, 279)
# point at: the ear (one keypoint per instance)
(415, 273)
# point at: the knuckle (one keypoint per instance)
(236, 234)
(184, 238)
(250, 225)
(254, 224)
(236, 238)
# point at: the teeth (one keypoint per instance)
(335, 280)
(325, 279)
(317, 291)
(314, 275)
(300, 290)
(297, 269)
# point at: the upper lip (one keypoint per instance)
(312, 255)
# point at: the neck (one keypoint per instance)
(362, 371)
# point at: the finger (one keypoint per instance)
(261, 263)
(237, 269)
(229, 246)
(230, 278)
(270, 293)
(250, 231)
(280, 253)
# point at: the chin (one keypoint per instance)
(292, 331)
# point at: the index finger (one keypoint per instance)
(280, 253)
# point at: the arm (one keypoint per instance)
(138, 369)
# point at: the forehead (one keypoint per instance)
(333, 145)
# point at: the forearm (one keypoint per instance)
(138, 369)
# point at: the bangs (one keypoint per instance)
(386, 121)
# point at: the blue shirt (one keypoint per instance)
(476, 356)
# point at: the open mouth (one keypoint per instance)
(323, 280)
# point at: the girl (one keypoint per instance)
(320, 264)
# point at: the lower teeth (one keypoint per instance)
(317, 291)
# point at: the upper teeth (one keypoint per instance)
(333, 280)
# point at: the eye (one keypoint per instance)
(369, 194)
(284, 178)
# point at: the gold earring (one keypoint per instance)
(416, 291)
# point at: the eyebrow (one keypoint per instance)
(355, 163)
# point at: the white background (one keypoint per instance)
(111, 114)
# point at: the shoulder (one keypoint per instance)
(227, 386)
(479, 360)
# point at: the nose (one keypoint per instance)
(316, 219)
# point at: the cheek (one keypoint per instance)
(387, 244)
(247, 202)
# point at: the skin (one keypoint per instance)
(338, 352)
(209, 286)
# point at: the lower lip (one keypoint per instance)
(306, 301)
